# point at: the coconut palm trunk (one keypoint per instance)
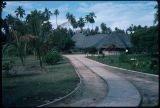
(56, 21)
(81, 29)
(25, 49)
(19, 50)
(88, 25)
(39, 56)
(56, 13)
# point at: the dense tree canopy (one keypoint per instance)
(105, 29)
(145, 40)
(81, 23)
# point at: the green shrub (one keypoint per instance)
(52, 57)
(10, 51)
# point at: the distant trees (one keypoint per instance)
(156, 14)
(87, 19)
(60, 40)
(91, 18)
(47, 14)
(56, 13)
(81, 23)
(69, 17)
(145, 40)
(20, 12)
(105, 29)
(97, 30)
(119, 30)
(74, 23)
(130, 30)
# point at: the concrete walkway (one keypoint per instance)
(147, 85)
(121, 92)
(100, 87)
(93, 88)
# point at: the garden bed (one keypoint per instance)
(142, 63)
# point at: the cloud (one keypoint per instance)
(24, 4)
(12, 5)
(121, 14)
(60, 20)
(63, 8)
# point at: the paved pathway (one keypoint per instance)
(93, 88)
(121, 92)
(100, 86)
(147, 85)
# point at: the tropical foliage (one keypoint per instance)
(145, 40)
(33, 34)
(52, 57)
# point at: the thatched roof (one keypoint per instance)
(119, 40)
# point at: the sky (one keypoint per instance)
(119, 14)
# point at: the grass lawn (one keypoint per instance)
(142, 62)
(32, 86)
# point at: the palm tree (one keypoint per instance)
(81, 23)
(56, 13)
(108, 30)
(69, 17)
(47, 14)
(74, 22)
(103, 27)
(10, 20)
(119, 30)
(20, 12)
(35, 20)
(156, 14)
(91, 18)
(96, 29)
(130, 29)
(17, 43)
(87, 19)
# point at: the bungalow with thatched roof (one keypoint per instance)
(113, 43)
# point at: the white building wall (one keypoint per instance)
(111, 52)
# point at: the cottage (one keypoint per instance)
(113, 43)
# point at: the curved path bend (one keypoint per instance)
(100, 86)
(93, 88)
